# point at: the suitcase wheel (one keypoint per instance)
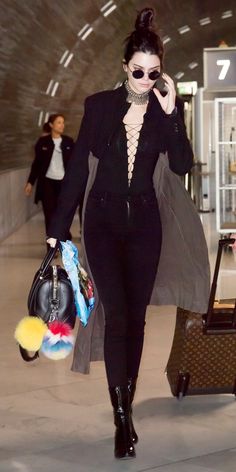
(180, 396)
(182, 384)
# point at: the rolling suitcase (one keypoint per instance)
(203, 354)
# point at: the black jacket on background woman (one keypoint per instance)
(43, 153)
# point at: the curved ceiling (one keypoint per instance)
(55, 52)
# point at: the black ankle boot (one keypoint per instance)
(131, 390)
(123, 441)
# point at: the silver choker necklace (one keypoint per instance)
(137, 98)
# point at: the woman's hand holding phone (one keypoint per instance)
(168, 102)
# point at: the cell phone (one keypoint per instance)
(160, 84)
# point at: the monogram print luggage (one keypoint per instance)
(203, 354)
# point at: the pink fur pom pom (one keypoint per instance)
(57, 327)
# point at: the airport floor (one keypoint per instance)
(54, 420)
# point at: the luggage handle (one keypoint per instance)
(210, 311)
(48, 258)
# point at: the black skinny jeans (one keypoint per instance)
(123, 241)
(50, 192)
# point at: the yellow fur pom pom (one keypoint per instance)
(29, 332)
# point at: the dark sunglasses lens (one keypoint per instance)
(137, 74)
(154, 75)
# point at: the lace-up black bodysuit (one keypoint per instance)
(128, 164)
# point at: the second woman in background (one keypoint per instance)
(52, 153)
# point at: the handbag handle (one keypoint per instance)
(48, 258)
(221, 244)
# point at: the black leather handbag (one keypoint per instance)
(51, 297)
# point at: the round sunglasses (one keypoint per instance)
(138, 74)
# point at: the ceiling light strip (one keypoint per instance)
(49, 86)
(107, 5)
(68, 60)
(166, 39)
(87, 33)
(63, 57)
(40, 118)
(179, 75)
(85, 27)
(184, 29)
(205, 21)
(108, 12)
(193, 65)
(226, 14)
(54, 90)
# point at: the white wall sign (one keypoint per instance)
(219, 68)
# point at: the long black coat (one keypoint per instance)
(44, 148)
(104, 112)
(183, 273)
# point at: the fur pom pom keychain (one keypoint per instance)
(29, 332)
(58, 341)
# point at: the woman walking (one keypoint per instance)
(52, 154)
(125, 132)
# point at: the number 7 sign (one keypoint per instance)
(219, 68)
(225, 63)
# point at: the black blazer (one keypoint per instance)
(103, 113)
(44, 148)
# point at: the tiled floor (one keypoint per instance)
(54, 420)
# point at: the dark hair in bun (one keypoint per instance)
(144, 19)
(144, 38)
